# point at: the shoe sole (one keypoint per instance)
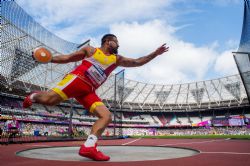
(86, 155)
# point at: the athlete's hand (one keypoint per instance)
(161, 49)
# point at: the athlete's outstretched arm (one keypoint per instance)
(73, 57)
(130, 62)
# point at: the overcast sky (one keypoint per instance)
(201, 34)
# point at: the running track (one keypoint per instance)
(213, 152)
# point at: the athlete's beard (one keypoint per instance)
(114, 50)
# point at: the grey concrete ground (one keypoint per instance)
(117, 153)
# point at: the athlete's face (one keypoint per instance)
(113, 45)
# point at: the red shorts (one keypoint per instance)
(71, 86)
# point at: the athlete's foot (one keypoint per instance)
(93, 153)
(27, 101)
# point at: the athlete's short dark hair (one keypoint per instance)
(107, 37)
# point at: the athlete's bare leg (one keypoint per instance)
(89, 148)
(104, 116)
(47, 98)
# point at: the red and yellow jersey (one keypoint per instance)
(96, 68)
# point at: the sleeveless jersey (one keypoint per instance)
(96, 68)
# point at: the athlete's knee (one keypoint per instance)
(108, 116)
(105, 115)
(102, 112)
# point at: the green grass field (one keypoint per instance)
(196, 137)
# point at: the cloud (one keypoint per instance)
(232, 44)
(70, 19)
(183, 63)
(225, 64)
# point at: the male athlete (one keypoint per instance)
(81, 83)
